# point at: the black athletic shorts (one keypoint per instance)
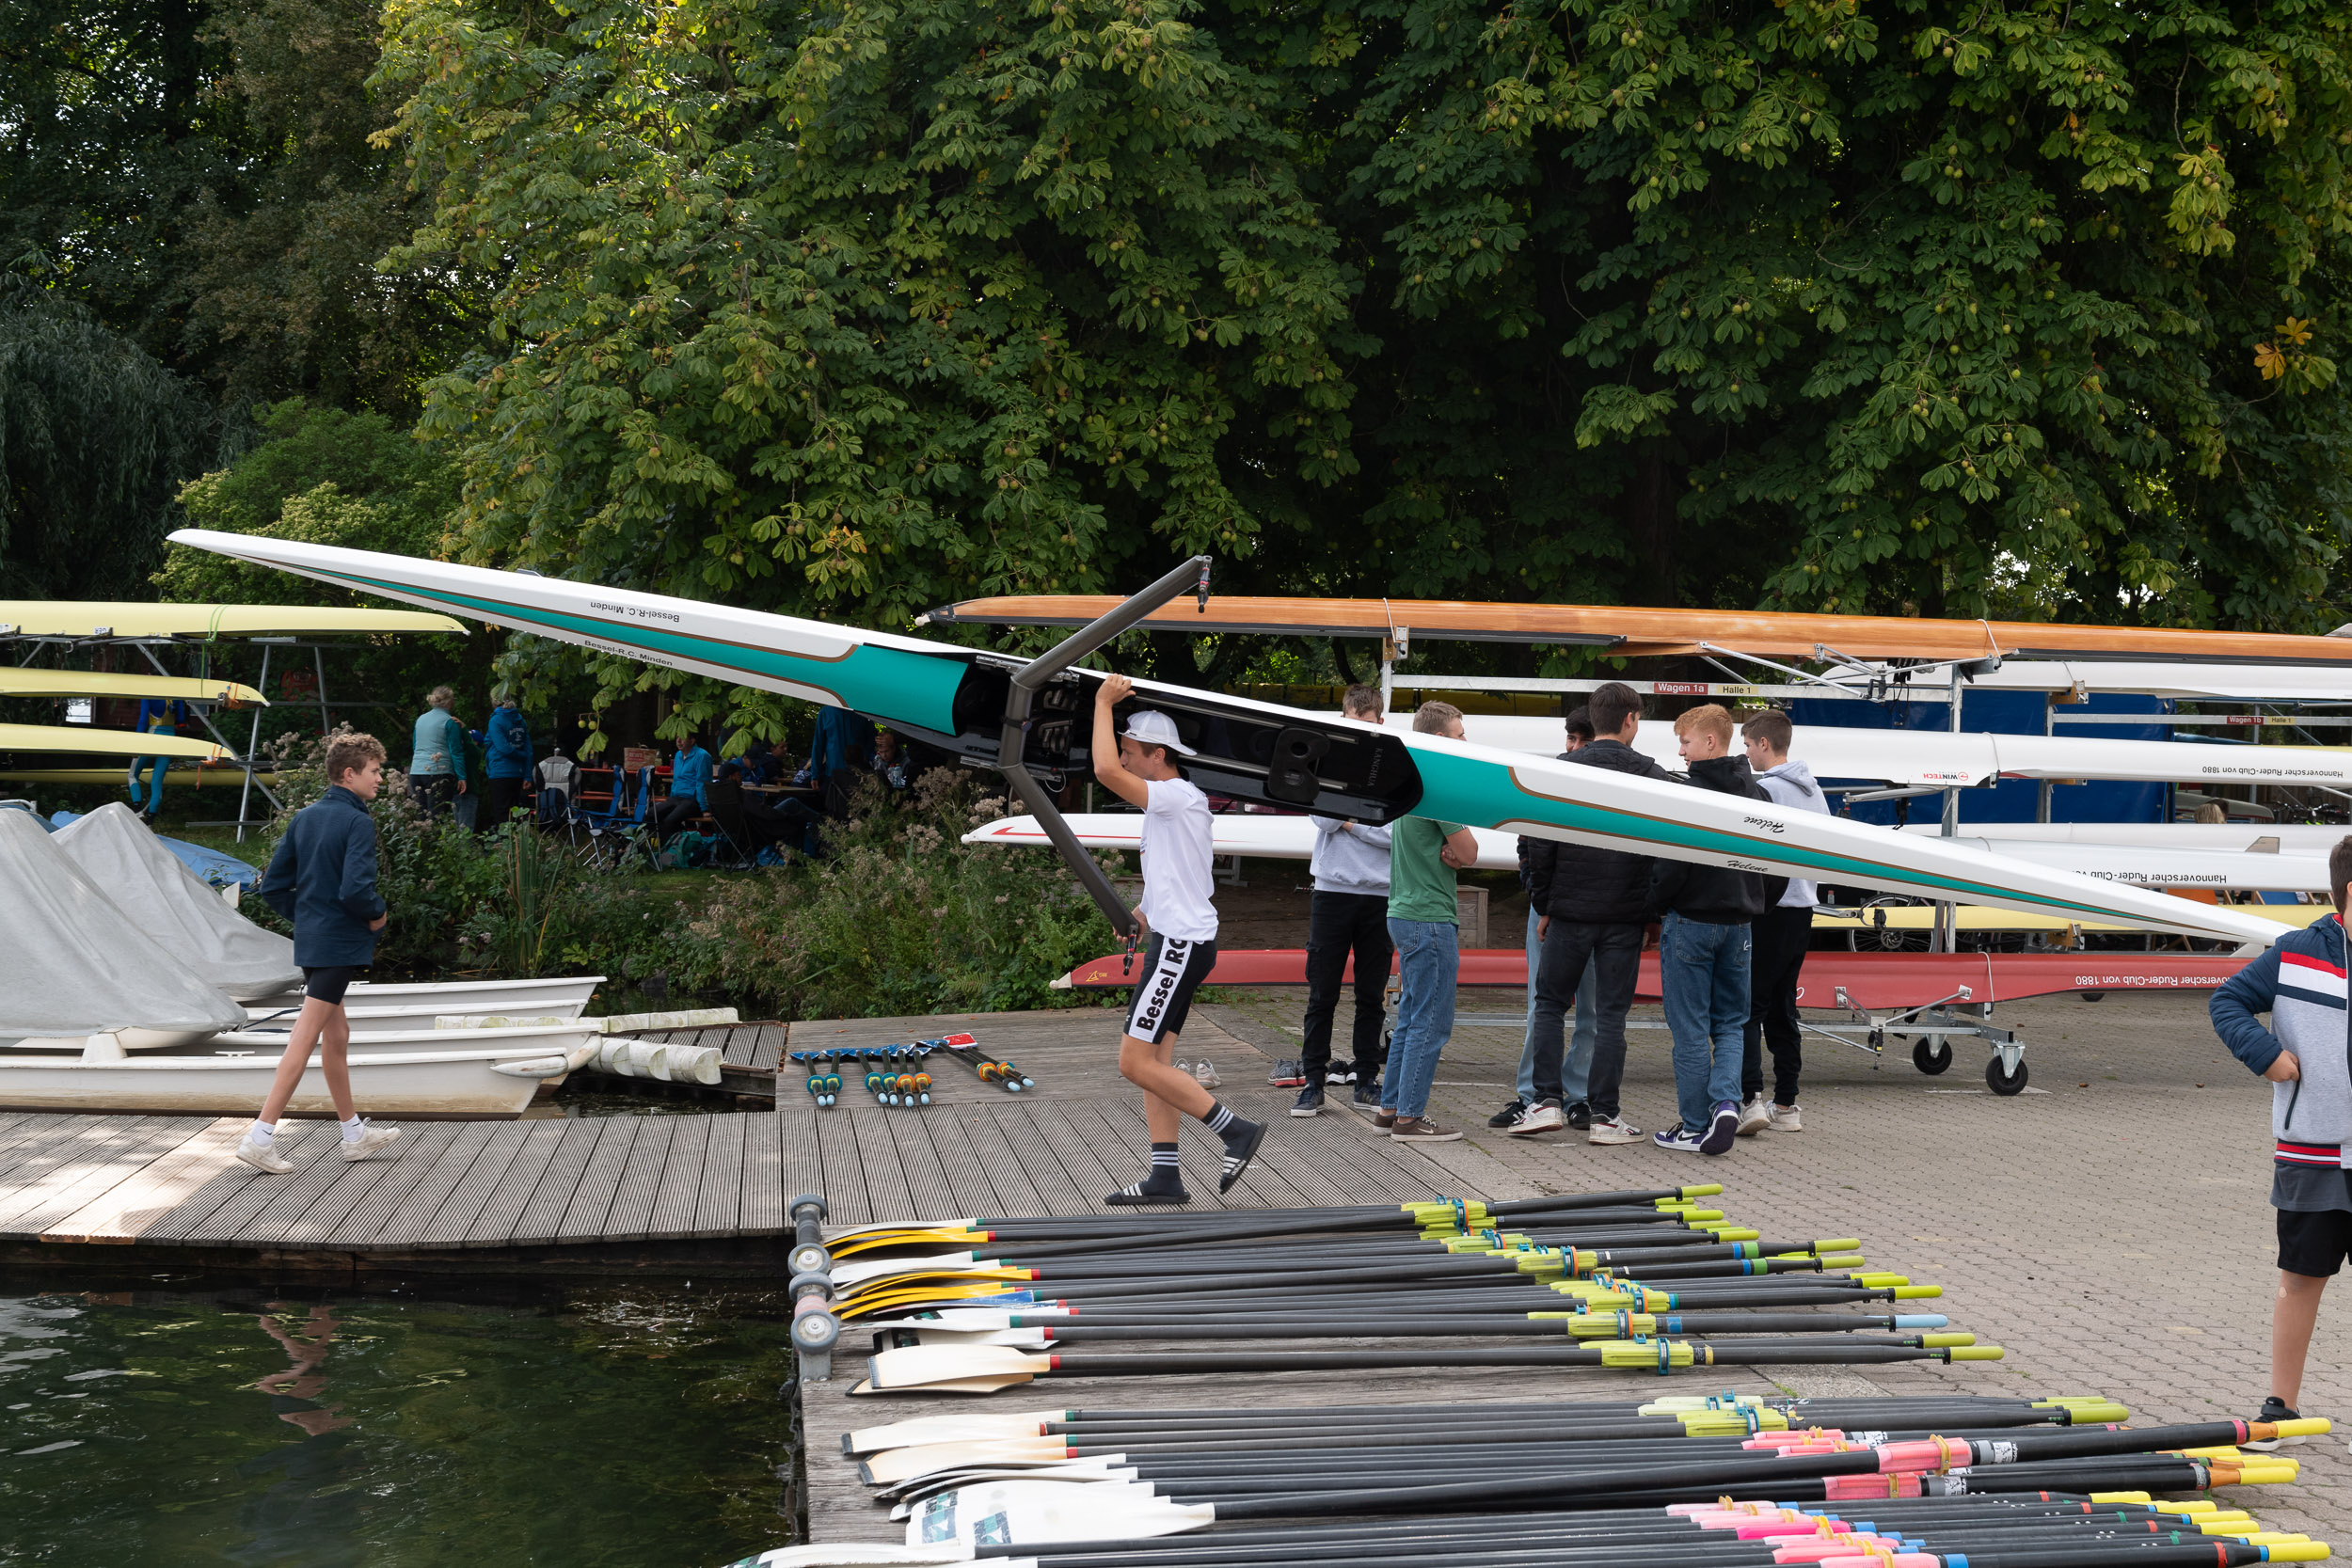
(1173, 971)
(329, 983)
(2314, 1242)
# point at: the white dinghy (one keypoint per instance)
(404, 1004)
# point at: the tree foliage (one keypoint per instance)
(2024, 309)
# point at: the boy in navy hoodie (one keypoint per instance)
(2299, 983)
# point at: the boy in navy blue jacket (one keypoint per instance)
(2304, 1054)
(323, 878)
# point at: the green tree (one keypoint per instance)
(847, 312)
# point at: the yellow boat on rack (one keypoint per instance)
(112, 743)
(101, 620)
(90, 683)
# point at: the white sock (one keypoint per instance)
(262, 1134)
(353, 1129)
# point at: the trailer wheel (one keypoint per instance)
(1932, 1056)
(2001, 1082)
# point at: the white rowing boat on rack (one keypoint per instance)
(463, 1076)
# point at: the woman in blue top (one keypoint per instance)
(689, 789)
(437, 766)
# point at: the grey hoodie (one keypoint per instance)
(1791, 785)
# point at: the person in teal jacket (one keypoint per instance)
(436, 768)
(158, 715)
(689, 789)
(507, 744)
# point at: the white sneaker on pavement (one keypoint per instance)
(263, 1157)
(1542, 1117)
(369, 1142)
(1784, 1118)
(1755, 1116)
(1612, 1130)
(1204, 1073)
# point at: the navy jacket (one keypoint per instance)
(323, 878)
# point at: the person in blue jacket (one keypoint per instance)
(2299, 983)
(437, 766)
(158, 715)
(689, 789)
(506, 745)
(323, 878)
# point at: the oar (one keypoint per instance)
(988, 1367)
(1611, 1326)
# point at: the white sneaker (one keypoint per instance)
(1756, 1116)
(1543, 1117)
(370, 1140)
(1204, 1073)
(263, 1157)
(1784, 1118)
(1612, 1130)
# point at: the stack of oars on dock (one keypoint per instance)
(1648, 1281)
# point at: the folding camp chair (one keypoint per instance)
(722, 798)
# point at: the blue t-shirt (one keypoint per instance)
(690, 774)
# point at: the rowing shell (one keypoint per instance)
(955, 698)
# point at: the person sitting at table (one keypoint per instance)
(690, 790)
(892, 765)
(761, 766)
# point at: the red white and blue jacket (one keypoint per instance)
(2299, 983)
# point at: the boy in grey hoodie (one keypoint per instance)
(1782, 934)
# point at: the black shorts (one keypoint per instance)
(1173, 971)
(329, 983)
(2313, 1243)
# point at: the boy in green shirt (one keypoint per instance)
(1423, 856)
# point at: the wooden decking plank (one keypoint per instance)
(1368, 1166)
(927, 1187)
(302, 1144)
(878, 1129)
(845, 1178)
(420, 1148)
(1011, 1174)
(600, 1182)
(494, 1225)
(74, 1184)
(631, 1218)
(408, 1223)
(680, 1192)
(544, 1208)
(974, 1195)
(718, 1208)
(349, 1189)
(465, 1201)
(1037, 1155)
(30, 1127)
(295, 1195)
(54, 1138)
(764, 1196)
(60, 1160)
(125, 1211)
(800, 1158)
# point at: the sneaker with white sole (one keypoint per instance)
(1679, 1138)
(1784, 1118)
(1756, 1116)
(1542, 1117)
(1204, 1073)
(263, 1157)
(1721, 1129)
(1309, 1103)
(2274, 1410)
(1612, 1130)
(1288, 1073)
(1342, 1075)
(1420, 1129)
(371, 1140)
(1509, 1115)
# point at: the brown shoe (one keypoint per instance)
(1420, 1129)
(1384, 1119)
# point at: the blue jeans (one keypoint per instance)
(1703, 970)
(153, 799)
(1429, 965)
(1577, 1071)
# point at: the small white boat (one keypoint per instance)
(441, 998)
(465, 1081)
(394, 1019)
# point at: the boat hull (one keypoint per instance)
(561, 997)
(448, 1085)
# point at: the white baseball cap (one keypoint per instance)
(1156, 729)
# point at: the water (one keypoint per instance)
(622, 1426)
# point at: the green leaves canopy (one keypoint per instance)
(2024, 310)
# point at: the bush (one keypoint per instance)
(901, 917)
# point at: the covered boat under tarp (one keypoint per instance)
(72, 962)
(194, 923)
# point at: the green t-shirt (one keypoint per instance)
(1420, 886)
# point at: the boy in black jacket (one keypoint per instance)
(1591, 908)
(1704, 951)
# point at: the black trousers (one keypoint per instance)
(789, 822)
(1781, 937)
(434, 793)
(669, 815)
(1339, 924)
(504, 795)
(1615, 953)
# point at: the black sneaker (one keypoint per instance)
(1288, 1073)
(1309, 1103)
(1340, 1076)
(1509, 1114)
(1581, 1115)
(2274, 1409)
(1367, 1095)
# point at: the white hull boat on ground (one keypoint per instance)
(465, 1081)
(563, 996)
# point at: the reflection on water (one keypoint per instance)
(622, 1427)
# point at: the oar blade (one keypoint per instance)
(975, 1428)
(936, 1366)
(1022, 1512)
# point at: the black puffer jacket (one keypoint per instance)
(1714, 894)
(1598, 887)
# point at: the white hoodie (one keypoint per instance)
(1791, 785)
